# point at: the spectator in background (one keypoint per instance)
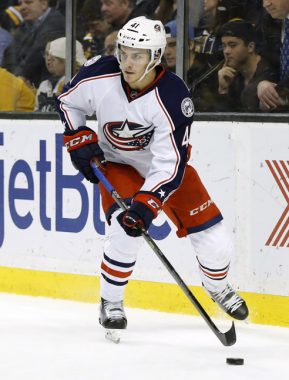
(24, 57)
(166, 11)
(49, 89)
(204, 94)
(60, 6)
(5, 40)
(170, 53)
(10, 16)
(248, 10)
(10, 19)
(96, 30)
(85, 9)
(206, 40)
(274, 95)
(243, 69)
(117, 12)
(196, 9)
(145, 8)
(16, 95)
(44, 96)
(110, 43)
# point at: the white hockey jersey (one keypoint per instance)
(147, 130)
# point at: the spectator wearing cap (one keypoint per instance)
(24, 56)
(49, 89)
(243, 69)
(274, 95)
(170, 53)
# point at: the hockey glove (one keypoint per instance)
(82, 145)
(144, 208)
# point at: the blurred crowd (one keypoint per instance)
(238, 50)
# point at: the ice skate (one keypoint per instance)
(112, 317)
(230, 302)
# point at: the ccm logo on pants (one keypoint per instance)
(201, 208)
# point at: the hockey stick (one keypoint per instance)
(228, 338)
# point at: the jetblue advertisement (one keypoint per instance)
(51, 218)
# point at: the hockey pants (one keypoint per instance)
(212, 247)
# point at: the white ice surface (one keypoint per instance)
(46, 339)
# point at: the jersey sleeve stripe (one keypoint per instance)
(170, 122)
(86, 80)
(66, 117)
(174, 173)
(64, 109)
(164, 109)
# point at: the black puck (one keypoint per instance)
(235, 361)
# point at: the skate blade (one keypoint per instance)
(113, 335)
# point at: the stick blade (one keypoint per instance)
(228, 338)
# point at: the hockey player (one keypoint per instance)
(144, 115)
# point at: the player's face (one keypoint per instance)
(133, 63)
(277, 8)
(235, 51)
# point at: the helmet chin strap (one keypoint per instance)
(147, 70)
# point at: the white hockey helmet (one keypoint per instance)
(143, 33)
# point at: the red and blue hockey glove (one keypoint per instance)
(82, 145)
(144, 208)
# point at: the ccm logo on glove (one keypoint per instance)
(83, 147)
(80, 139)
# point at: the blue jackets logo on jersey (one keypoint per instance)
(187, 107)
(125, 135)
(92, 60)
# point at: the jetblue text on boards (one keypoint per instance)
(35, 174)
